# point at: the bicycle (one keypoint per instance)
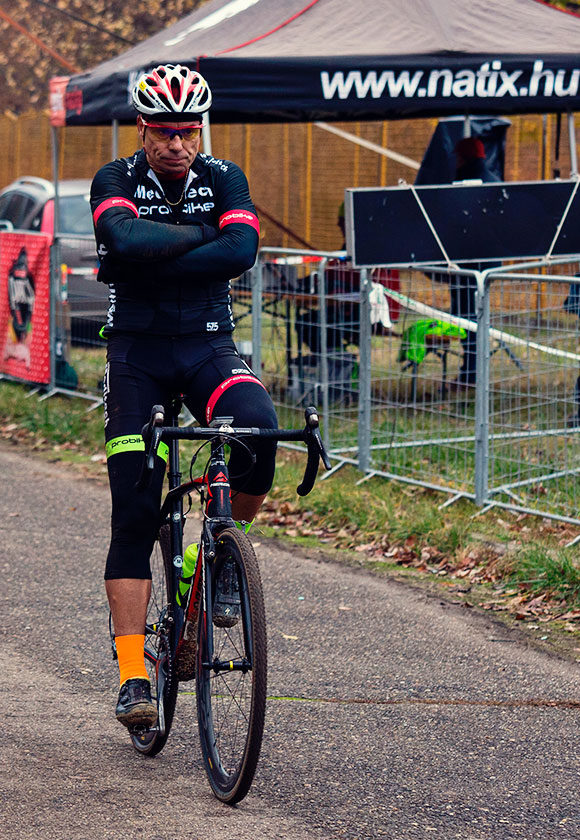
(182, 642)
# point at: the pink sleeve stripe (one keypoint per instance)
(113, 202)
(244, 217)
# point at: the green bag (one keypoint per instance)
(413, 347)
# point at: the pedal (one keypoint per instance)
(139, 730)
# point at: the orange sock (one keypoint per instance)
(130, 651)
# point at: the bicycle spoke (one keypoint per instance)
(229, 740)
(232, 695)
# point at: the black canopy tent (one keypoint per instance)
(334, 60)
(278, 61)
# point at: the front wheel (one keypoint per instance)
(231, 674)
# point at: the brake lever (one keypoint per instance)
(155, 441)
(312, 421)
(151, 434)
(316, 451)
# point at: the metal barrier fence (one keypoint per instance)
(79, 310)
(462, 381)
(534, 397)
(83, 300)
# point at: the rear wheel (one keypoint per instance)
(231, 676)
(159, 647)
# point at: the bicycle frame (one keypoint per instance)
(218, 509)
(217, 516)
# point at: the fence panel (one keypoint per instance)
(534, 408)
(450, 380)
(84, 299)
(494, 416)
(309, 322)
(422, 423)
(421, 429)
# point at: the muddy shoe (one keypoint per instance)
(134, 706)
(226, 603)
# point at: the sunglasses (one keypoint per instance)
(166, 133)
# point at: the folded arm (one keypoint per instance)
(121, 234)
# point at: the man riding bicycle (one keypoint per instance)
(173, 227)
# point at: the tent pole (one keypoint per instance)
(556, 169)
(366, 144)
(55, 260)
(55, 176)
(467, 126)
(115, 139)
(544, 146)
(206, 134)
(572, 141)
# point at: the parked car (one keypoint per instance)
(28, 204)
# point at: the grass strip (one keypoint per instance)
(382, 524)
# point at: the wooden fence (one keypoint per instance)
(297, 172)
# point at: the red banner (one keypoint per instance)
(25, 306)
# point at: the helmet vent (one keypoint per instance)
(175, 89)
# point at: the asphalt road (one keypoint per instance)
(392, 714)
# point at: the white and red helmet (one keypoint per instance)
(171, 89)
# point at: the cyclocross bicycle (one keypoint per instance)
(182, 641)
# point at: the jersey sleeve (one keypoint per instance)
(122, 235)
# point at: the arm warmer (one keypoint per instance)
(138, 240)
(233, 252)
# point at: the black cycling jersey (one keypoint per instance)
(169, 262)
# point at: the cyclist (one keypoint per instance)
(173, 226)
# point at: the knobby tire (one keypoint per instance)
(231, 704)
